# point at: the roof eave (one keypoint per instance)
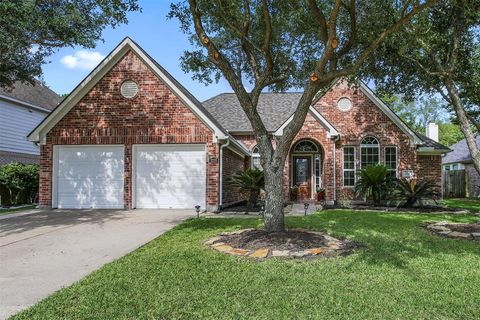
(431, 151)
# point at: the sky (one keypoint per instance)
(159, 36)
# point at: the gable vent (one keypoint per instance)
(129, 89)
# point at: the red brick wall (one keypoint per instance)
(430, 167)
(232, 163)
(103, 116)
(363, 119)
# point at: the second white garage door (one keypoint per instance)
(169, 176)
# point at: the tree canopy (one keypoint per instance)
(30, 31)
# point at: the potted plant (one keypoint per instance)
(320, 194)
(293, 193)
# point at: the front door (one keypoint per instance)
(302, 176)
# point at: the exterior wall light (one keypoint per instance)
(197, 209)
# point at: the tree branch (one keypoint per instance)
(322, 22)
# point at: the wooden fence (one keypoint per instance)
(454, 184)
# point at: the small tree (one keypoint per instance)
(374, 182)
(19, 178)
(412, 190)
(30, 179)
(10, 177)
(250, 181)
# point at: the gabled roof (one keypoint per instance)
(36, 95)
(39, 133)
(460, 152)
(274, 109)
(331, 131)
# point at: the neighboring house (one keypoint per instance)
(22, 108)
(461, 159)
(131, 136)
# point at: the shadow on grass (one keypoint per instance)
(391, 239)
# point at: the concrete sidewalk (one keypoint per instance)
(45, 251)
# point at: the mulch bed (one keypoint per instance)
(290, 240)
(298, 243)
(242, 209)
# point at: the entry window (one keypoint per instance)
(301, 174)
(348, 166)
(391, 160)
(369, 152)
(306, 146)
(318, 171)
(256, 159)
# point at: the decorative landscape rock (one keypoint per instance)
(469, 231)
(294, 243)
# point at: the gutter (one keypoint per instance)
(220, 191)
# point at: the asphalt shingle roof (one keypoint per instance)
(274, 109)
(460, 152)
(38, 94)
(427, 142)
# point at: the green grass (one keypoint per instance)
(472, 204)
(403, 272)
(8, 211)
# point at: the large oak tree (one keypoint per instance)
(30, 31)
(280, 44)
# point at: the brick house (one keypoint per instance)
(131, 136)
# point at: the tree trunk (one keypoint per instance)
(465, 124)
(273, 216)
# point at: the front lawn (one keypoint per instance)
(472, 204)
(403, 272)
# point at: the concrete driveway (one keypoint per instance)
(43, 252)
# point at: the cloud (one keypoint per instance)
(84, 60)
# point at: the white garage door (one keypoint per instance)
(169, 176)
(89, 176)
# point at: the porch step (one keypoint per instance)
(298, 208)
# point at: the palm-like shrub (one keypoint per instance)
(251, 182)
(412, 190)
(374, 183)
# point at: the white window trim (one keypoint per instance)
(354, 166)
(396, 158)
(370, 146)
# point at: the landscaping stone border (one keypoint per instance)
(441, 228)
(333, 247)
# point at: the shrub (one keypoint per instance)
(20, 179)
(374, 183)
(413, 190)
(250, 181)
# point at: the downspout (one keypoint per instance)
(220, 191)
(335, 169)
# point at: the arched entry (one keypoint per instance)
(306, 169)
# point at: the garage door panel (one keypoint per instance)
(90, 172)
(90, 177)
(170, 176)
(91, 186)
